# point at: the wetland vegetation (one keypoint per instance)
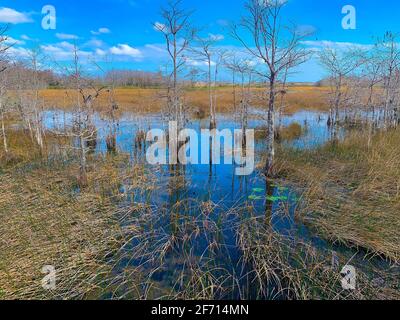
(78, 194)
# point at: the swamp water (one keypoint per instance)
(191, 220)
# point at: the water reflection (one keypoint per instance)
(199, 208)
(211, 183)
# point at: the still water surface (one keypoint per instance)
(203, 205)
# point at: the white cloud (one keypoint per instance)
(126, 50)
(18, 52)
(95, 43)
(158, 26)
(25, 37)
(156, 47)
(101, 31)
(63, 51)
(198, 63)
(8, 15)
(100, 52)
(65, 36)
(104, 30)
(317, 45)
(216, 37)
(12, 41)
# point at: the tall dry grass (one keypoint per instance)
(287, 268)
(150, 100)
(47, 220)
(352, 190)
(43, 224)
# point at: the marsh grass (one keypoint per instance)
(294, 269)
(148, 100)
(110, 240)
(351, 191)
(106, 241)
(292, 132)
(42, 224)
(47, 220)
(289, 133)
(23, 150)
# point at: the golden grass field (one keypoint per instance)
(151, 100)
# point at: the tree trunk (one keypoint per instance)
(38, 132)
(371, 120)
(234, 89)
(337, 102)
(269, 169)
(395, 117)
(210, 96)
(388, 99)
(215, 97)
(3, 130)
(82, 168)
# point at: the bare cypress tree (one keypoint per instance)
(282, 106)
(389, 53)
(244, 70)
(340, 65)
(220, 58)
(372, 73)
(205, 51)
(83, 97)
(178, 34)
(3, 83)
(193, 76)
(3, 88)
(35, 106)
(277, 47)
(112, 106)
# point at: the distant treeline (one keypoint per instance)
(133, 78)
(19, 76)
(50, 79)
(19, 73)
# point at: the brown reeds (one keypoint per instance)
(352, 190)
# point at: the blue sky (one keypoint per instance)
(123, 28)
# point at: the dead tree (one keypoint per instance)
(220, 57)
(3, 91)
(112, 107)
(340, 65)
(21, 81)
(372, 73)
(3, 83)
(84, 132)
(371, 76)
(281, 107)
(193, 76)
(242, 68)
(178, 34)
(33, 101)
(389, 53)
(277, 48)
(205, 52)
